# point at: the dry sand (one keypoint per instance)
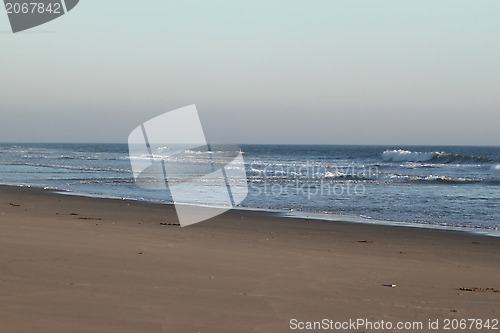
(73, 264)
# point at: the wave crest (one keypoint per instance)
(401, 155)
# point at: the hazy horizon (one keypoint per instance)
(260, 144)
(265, 72)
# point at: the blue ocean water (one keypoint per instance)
(433, 185)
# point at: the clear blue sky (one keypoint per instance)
(321, 71)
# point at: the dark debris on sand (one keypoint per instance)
(166, 223)
(477, 289)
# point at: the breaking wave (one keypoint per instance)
(435, 157)
(431, 179)
(345, 176)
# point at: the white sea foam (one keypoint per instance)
(337, 174)
(407, 156)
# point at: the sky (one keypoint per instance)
(391, 72)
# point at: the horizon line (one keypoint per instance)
(276, 144)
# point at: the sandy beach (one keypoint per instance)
(76, 264)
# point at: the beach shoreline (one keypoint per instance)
(288, 214)
(440, 187)
(80, 264)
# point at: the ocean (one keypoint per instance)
(437, 186)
